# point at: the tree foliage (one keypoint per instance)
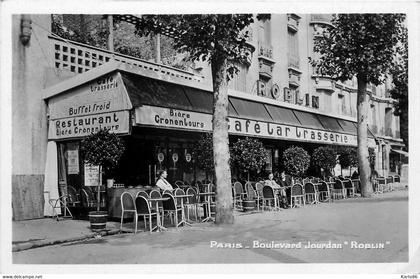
(102, 149)
(249, 154)
(400, 82)
(216, 38)
(361, 45)
(324, 157)
(296, 161)
(348, 157)
(203, 153)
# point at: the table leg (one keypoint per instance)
(159, 226)
(208, 218)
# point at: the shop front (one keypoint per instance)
(161, 122)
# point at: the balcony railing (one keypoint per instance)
(79, 58)
(265, 50)
(323, 18)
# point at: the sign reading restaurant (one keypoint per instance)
(180, 119)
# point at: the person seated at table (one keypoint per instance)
(162, 183)
(285, 179)
(271, 182)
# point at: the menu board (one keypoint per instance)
(92, 175)
(73, 162)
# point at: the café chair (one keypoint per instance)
(143, 209)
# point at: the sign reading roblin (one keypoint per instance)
(171, 118)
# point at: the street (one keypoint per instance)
(354, 230)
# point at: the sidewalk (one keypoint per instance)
(42, 232)
(47, 231)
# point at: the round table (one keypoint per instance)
(183, 219)
(159, 226)
(208, 196)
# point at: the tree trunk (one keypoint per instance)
(224, 207)
(362, 143)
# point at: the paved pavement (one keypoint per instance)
(354, 230)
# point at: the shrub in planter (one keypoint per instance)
(348, 158)
(296, 161)
(249, 155)
(324, 158)
(101, 149)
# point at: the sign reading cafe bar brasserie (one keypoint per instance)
(172, 118)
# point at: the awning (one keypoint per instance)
(282, 115)
(404, 153)
(308, 120)
(348, 126)
(251, 110)
(330, 123)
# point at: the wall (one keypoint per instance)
(29, 117)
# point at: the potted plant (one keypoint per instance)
(103, 149)
(296, 161)
(325, 158)
(249, 155)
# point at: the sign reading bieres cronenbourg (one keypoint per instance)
(117, 122)
(180, 119)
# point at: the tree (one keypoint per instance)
(361, 46)
(325, 158)
(348, 157)
(219, 39)
(249, 154)
(296, 161)
(400, 81)
(103, 149)
(203, 153)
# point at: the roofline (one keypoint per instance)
(80, 79)
(110, 67)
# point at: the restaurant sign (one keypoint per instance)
(79, 126)
(181, 119)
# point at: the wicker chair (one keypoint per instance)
(128, 206)
(143, 209)
(269, 197)
(338, 190)
(323, 192)
(349, 186)
(238, 195)
(311, 195)
(252, 195)
(297, 196)
(170, 208)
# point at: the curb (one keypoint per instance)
(42, 243)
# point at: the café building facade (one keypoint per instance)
(160, 123)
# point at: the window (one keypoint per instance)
(315, 101)
(293, 49)
(238, 81)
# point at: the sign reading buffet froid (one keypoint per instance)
(102, 103)
(180, 119)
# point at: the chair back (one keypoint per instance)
(127, 201)
(347, 184)
(193, 199)
(397, 178)
(296, 190)
(72, 195)
(322, 186)
(309, 188)
(169, 204)
(237, 189)
(155, 194)
(389, 179)
(142, 205)
(89, 192)
(179, 183)
(179, 192)
(259, 188)
(251, 194)
(247, 184)
(143, 194)
(338, 185)
(268, 192)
